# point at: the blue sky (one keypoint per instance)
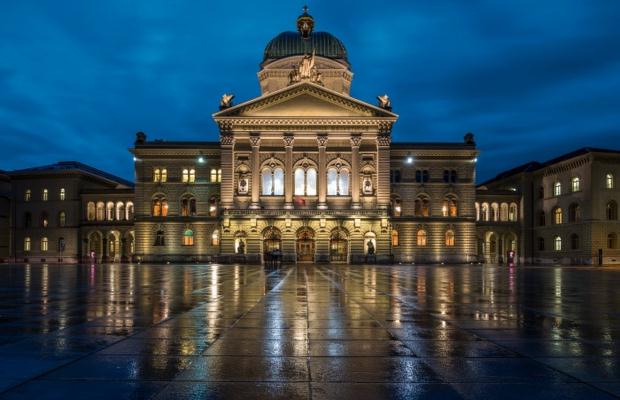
(531, 79)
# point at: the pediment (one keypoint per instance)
(305, 100)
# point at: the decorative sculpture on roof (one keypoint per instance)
(306, 70)
(385, 102)
(226, 101)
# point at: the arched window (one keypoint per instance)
(100, 211)
(449, 238)
(574, 213)
(62, 219)
(421, 237)
(575, 184)
(557, 243)
(120, 211)
(337, 181)
(213, 175)
(215, 238)
(213, 206)
(305, 181)
(396, 206)
(110, 211)
(27, 219)
(541, 244)
(422, 206)
(27, 244)
(512, 212)
(188, 237)
(188, 206)
(574, 241)
(395, 238)
(192, 175)
(129, 211)
(449, 208)
(485, 211)
(164, 175)
(477, 205)
(44, 220)
(45, 195)
(557, 189)
(63, 194)
(273, 181)
(157, 175)
(557, 216)
(159, 206)
(542, 218)
(503, 212)
(495, 212)
(91, 211)
(612, 241)
(28, 195)
(609, 181)
(612, 211)
(44, 244)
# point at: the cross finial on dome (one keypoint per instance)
(305, 23)
(305, 9)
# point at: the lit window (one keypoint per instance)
(63, 194)
(337, 182)
(129, 211)
(557, 216)
(422, 206)
(100, 211)
(188, 237)
(44, 244)
(45, 195)
(110, 211)
(450, 238)
(575, 184)
(27, 244)
(44, 220)
(512, 212)
(305, 182)
(192, 175)
(62, 219)
(215, 238)
(396, 206)
(557, 189)
(485, 212)
(219, 175)
(421, 237)
(213, 175)
(557, 243)
(160, 206)
(273, 181)
(395, 238)
(185, 176)
(503, 212)
(156, 175)
(164, 175)
(120, 211)
(91, 211)
(609, 181)
(449, 208)
(27, 195)
(370, 243)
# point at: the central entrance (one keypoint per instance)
(338, 246)
(272, 242)
(305, 245)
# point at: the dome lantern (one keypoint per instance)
(305, 23)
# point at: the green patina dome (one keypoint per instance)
(305, 41)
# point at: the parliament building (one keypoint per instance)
(306, 173)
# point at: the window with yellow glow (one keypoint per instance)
(188, 237)
(421, 237)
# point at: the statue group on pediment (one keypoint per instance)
(306, 70)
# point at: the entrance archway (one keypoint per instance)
(305, 245)
(272, 241)
(95, 247)
(338, 246)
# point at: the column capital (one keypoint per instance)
(255, 140)
(288, 140)
(322, 140)
(384, 140)
(356, 140)
(227, 139)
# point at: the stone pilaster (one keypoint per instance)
(288, 174)
(227, 141)
(322, 142)
(255, 162)
(383, 169)
(356, 140)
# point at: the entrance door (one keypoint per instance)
(338, 250)
(305, 250)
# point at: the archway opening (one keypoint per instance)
(305, 245)
(338, 246)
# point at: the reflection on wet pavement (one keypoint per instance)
(310, 331)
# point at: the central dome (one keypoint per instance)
(305, 41)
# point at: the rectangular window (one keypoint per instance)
(45, 195)
(27, 195)
(213, 175)
(63, 194)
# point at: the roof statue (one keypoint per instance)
(385, 102)
(226, 101)
(306, 70)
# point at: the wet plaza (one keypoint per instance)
(310, 331)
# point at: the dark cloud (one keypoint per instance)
(531, 79)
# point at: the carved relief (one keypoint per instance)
(322, 140)
(255, 140)
(356, 140)
(384, 140)
(288, 140)
(227, 139)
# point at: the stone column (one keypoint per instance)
(255, 163)
(227, 141)
(288, 171)
(383, 169)
(322, 142)
(356, 140)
